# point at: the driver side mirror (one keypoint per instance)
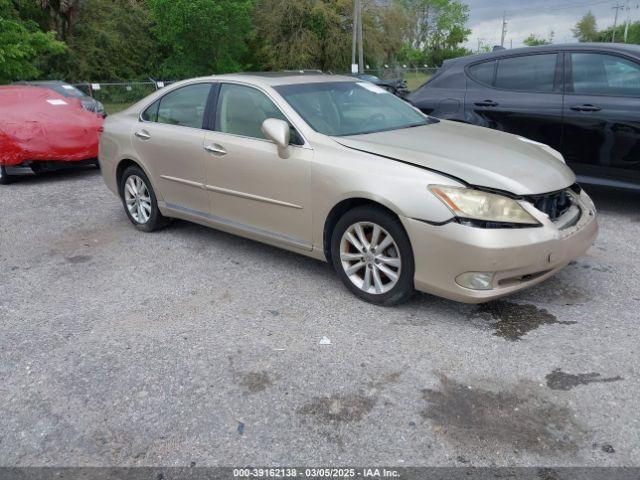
(277, 131)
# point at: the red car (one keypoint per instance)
(43, 130)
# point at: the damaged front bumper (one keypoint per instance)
(506, 260)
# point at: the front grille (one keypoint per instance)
(553, 204)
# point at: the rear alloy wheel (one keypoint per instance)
(137, 199)
(5, 179)
(373, 256)
(140, 200)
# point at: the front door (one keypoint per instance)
(602, 116)
(169, 141)
(251, 187)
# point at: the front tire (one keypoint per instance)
(372, 254)
(139, 200)
(5, 179)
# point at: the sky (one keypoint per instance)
(538, 16)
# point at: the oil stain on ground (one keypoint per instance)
(559, 380)
(515, 418)
(512, 321)
(560, 291)
(339, 408)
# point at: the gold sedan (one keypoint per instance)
(340, 170)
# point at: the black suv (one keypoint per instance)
(581, 99)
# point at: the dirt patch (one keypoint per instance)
(386, 380)
(513, 418)
(79, 259)
(512, 321)
(559, 380)
(255, 382)
(339, 408)
(73, 240)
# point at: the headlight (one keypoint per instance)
(467, 203)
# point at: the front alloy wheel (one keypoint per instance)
(372, 254)
(370, 258)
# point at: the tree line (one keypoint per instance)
(103, 40)
(586, 30)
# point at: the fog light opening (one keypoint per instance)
(476, 280)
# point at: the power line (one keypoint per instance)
(563, 7)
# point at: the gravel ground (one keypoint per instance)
(193, 347)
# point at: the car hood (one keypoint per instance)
(478, 156)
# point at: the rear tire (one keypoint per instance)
(5, 179)
(139, 200)
(372, 254)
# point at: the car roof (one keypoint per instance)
(29, 91)
(554, 47)
(42, 82)
(273, 79)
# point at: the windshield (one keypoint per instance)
(350, 108)
(65, 89)
(369, 78)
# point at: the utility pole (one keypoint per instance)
(617, 8)
(360, 45)
(628, 22)
(357, 64)
(504, 28)
(354, 45)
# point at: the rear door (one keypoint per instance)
(602, 115)
(169, 139)
(520, 95)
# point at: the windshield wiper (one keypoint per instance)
(412, 125)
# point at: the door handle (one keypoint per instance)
(142, 135)
(215, 149)
(486, 103)
(586, 108)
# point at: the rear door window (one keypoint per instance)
(151, 113)
(530, 73)
(185, 106)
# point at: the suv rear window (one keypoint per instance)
(530, 73)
